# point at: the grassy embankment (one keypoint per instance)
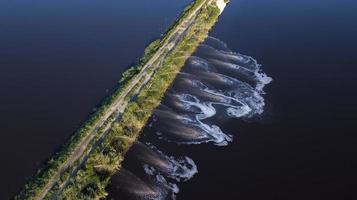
(35, 186)
(91, 181)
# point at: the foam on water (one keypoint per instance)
(213, 77)
(135, 187)
(189, 128)
(180, 169)
(161, 171)
(214, 83)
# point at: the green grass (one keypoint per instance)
(40, 179)
(105, 160)
(92, 179)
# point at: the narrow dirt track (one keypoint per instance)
(120, 104)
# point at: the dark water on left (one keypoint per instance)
(57, 61)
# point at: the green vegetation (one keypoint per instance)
(90, 181)
(35, 185)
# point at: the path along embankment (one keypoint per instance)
(82, 170)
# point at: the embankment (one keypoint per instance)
(83, 168)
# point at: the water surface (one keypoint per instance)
(215, 85)
(58, 59)
(303, 146)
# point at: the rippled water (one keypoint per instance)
(58, 58)
(214, 83)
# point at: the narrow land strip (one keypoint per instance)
(115, 129)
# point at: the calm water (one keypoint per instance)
(57, 60)
(304, 145)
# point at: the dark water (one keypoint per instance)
(215, 85)
(304, 145)
(58, 58)
(57, 61)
